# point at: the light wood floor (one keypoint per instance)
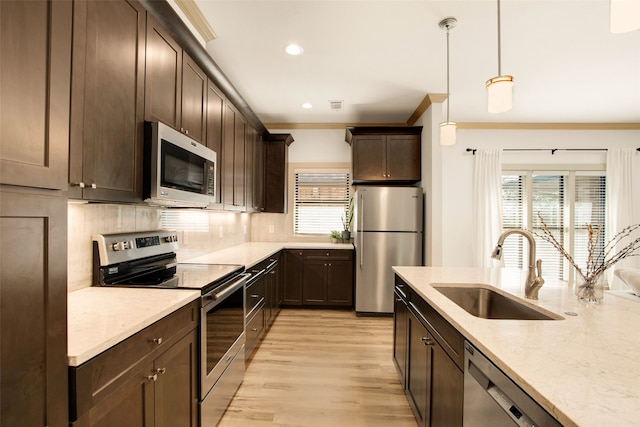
(322, 368)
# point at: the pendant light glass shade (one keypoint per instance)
(500, 94)
(448, 128)
(625, 16)
(499, 88)
(448, 133)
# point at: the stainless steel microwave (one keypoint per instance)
(178, 171)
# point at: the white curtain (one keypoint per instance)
(487, 204)
(623, 201)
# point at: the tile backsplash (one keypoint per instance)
(86, 219)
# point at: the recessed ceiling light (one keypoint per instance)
(307, 105)
(293, 49)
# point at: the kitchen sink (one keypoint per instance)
(486, 303)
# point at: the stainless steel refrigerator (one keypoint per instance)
(387, 232)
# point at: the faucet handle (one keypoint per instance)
(539, 269)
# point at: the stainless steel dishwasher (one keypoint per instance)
(493, 399)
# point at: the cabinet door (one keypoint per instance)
(403, 158)
(131, 404)
(400, 341)
(369, 157)
(275, 175)
(194, 96)
(447, 385)
(33, 313)
(340, 283)
(314, 284)
(228, 151)
(239, 165)
(418, 370)
(35, 87)
(176, 387)
(107, 109)
(215, 117)
(258, 173)
(292, 280)
(163, 76)
(250, 143)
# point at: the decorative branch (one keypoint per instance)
(596, 264)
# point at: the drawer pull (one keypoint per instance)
(153, 377)
(427, 341)
(254, 329)
(161, 370)
(157, 340)
(254, 295)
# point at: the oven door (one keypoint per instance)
(222, 330)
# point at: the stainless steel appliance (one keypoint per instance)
(387, 232)
(492, 399)
(148, 259)
(178, 171)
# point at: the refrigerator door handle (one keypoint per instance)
(361, 233)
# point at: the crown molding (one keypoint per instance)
(197, 19)
(428, 100)
(548, 126)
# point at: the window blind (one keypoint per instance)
(567, 202)
(320, 199)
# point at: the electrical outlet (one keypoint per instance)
(272, 228)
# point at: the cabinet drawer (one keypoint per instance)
(449, 338)
(254, 329)
(254, 296)
(328, 254)
(95, 379)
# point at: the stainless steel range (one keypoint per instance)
(148, 259)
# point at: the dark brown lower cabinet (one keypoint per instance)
(434, 362)
(33, 310)
(150, 379)
(317, 277)
(400, 328)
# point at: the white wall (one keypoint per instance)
(318, 146)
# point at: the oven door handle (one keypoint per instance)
(228, 289)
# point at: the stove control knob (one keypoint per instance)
(118, 246)
(170, 239)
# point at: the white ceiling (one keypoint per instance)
(382, 57)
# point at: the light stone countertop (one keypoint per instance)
(250, 254)
(99, 318)
(584, 369)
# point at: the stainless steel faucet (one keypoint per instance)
(534, 280)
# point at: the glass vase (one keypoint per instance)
(591, 290)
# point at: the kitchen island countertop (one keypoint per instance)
(583, 369)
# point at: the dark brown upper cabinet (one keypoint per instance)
(385, 154)
(194, 97)
(163, 76)
(105, 157)
(35, 88)
(175, 86)
(214, 134)
(275, 182)
(233, 161)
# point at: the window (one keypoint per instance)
(567, 202)
(320, 199)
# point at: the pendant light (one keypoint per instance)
(499, 88)
(625, 16)
(448, 128)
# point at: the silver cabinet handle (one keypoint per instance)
(94, 185)
(161, 370)
(153, 377)
(254, 295)
(427, 341)
(157, 340)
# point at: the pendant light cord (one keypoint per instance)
(499, 47)
(448, 93)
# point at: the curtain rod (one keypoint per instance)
(553, 150)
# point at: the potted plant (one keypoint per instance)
(347, 219)
(335, 235)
